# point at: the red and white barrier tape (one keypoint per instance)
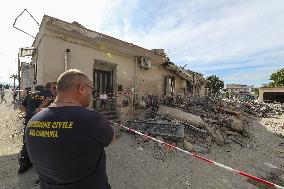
(203, 158)
(103, 99)
(119, 93)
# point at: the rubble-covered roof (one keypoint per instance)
(185, 74)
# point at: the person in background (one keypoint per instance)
(2, 94)
(29, 104)
(48, 100)
(15, 94)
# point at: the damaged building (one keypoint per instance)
(239, 91)
(125, 75)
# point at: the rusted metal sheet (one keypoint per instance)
(155, 127)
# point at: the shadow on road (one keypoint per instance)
(10, 179)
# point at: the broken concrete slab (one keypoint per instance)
(180, 115)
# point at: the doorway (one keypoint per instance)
(103, 89)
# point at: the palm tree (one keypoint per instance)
(14, 76)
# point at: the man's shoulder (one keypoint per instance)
(93, 113)
(78, 110)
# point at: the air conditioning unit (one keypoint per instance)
(144, 62)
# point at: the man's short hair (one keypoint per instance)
(48, 85)
(70, 79)
(39, 88)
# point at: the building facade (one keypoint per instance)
(126, 73)
(239, 91)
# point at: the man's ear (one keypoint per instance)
(81, 89)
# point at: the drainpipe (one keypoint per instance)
(194, 88)
(66, 59)
(19, 78)
(135, 70)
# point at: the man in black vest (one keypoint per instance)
(66, 140)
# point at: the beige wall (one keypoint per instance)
(51, 65)
(40, 60)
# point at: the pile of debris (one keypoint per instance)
(210, 123)
(275, 127)
(258, 109)
(158, 127)
(196, 124)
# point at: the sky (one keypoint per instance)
(240, 41)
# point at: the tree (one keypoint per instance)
(214, 84)
(255, 91)
(277, 79)
(14, 76)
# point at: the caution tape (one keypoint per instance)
(211, 162)
(119, 93)
(109, 97)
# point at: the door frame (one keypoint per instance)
(107, 67)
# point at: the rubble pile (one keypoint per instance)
(206, 121)
(258, 109)
(224, 122)
(275, 127)
(250, 106)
